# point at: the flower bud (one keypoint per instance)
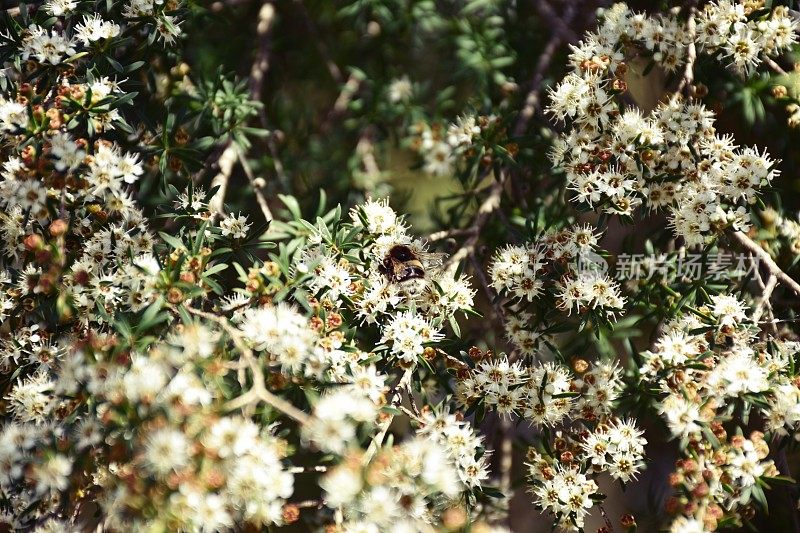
(58, 227)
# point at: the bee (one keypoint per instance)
(408, 267)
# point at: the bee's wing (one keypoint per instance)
(433, 259)
(434, 263)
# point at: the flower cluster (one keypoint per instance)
(728, 30)
(169, 362)
(544, 394)
(283, 334)
(704, 366)
(717, 481)
(619, 159)
(564, 266)
(441, 147)
(403, 488)
(463, 447)
(564, 478)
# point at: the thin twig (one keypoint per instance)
(449, 233)
(339, 109)
(262, 202)
(554, 22)
(258, 72)
(763, 304)
(767, 260)
(486, 208)
(774, 66)
(383, 428)
(333, 68)
(506, 456)
(691, 54)
(499, 316)
(533, 100)
(258, 391)
(365, 149)
(260, 66)
(226, 161)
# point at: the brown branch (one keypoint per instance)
(691, 54)
(366, 150)
(485, 210)
(262, 202)
(774, 66)
(767, 260)
(499, 316)
(554, 22)
(225, 162)
(260, 66)
(258, 71)
(339, 109)
(533, 100)
(763, 304)
(258, 391)
(333, 68)
(396, 395)
(449, 233)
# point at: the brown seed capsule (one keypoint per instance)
(454, 518)
(181, 136)
(290, 513)
(334, 320)
(779, 91)
(627, 520)
(316, 323)
(33, 242)
(271, 268)
(580, 365)
(54, 117)
(58, 228)
(175, 164)
(174, 295)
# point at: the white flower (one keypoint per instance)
(408, 333)
(400, 90)
(728, 309)
(93, 28)
(52, 474)
(232, 436)
(66, 152)
(235, 227)
(166, 450)
(439, 160)
(13, 115)
(47, 46)
(280, 331)
(341, 485)
(682, 415)
(29, 400)
(58, 8)
(463, 131)
(144, 380)
(168, 29)
(332, 278)
(379, 217)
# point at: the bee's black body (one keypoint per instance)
(402, 264)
